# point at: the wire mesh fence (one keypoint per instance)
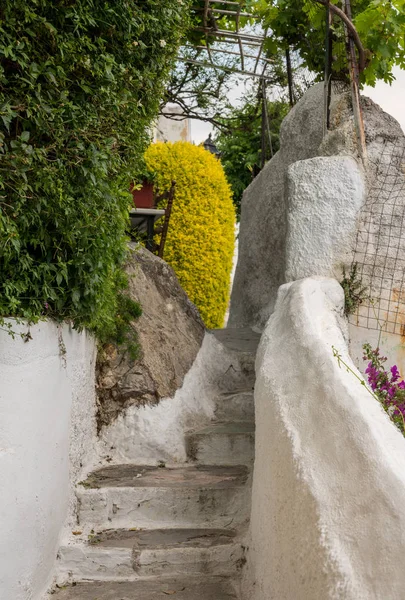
(380, 244)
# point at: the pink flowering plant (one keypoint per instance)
(387, 385)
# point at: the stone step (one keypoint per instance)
(235, 406)
(222, 443)
(241, 340)
(127, 496)
(180, 588)
(126, 555)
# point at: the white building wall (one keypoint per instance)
(172, 130)
(47, 422)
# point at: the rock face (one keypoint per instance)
(268, 218)
(170, 334)
(263, 226)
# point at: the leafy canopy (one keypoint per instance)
(300, 24)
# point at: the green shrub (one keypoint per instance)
(80, 82)
(200, 239)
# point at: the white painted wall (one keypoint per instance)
(46, 427)
(328, 502)
(146, 434)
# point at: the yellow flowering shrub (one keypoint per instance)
(200, 240)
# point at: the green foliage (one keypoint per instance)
(355, 292)
(300, 24)
(200, 240)
(240, 146)
(80, 82)
(120, 330)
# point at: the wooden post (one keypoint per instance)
(167, 219)
(354, 86)
(263, 150)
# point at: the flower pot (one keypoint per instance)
(143, 198)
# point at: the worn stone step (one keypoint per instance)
(242, 344)
(125, 554)
(222, 443)
(235, 406)
(180, 588)
(241, 340)
(127, 496)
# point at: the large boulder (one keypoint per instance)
(263, 225)
(170, 334)
(269, 218)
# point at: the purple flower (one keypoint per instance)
(391, 392)
(394, 374)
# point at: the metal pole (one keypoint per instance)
(289, 77)
(328, 70)
(263, 151)
(266, 114)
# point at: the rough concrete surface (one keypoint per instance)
(127, 555)
(179, 588)
(324, 197)
(163, 538)
(170, 334)
(231, 443)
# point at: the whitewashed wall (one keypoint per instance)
(46, 430)
(328, 502)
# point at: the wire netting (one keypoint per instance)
(380, 244)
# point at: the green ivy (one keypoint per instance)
(80, 83)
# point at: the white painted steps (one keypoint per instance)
(237, 405)
(127, 555)
(222, 443)
(173, 530)
(127, 496)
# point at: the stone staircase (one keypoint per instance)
(150, 532)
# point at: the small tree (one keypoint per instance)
(241, 146)
(200, 240)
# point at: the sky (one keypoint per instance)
(391, 98)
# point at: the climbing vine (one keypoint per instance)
(80, 83)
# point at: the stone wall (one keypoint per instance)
(170, 333)
(328, 502)
(47, 432)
